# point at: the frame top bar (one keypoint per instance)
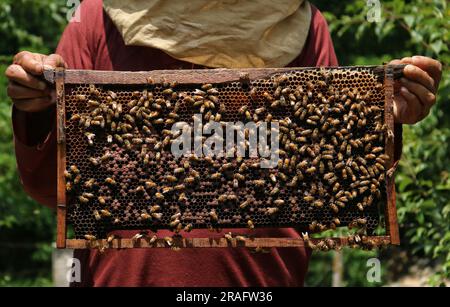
(189, 76)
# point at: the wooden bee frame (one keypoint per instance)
(61, 77)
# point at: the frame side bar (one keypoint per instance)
(390, 210)
(61, 231)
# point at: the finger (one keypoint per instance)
(426, 97)
(395, 62)
(54, 60)
(415, 73)
(411, 111)
(401, 113)
(18, 74)
(31, 62)
(17, 91)
(33, 105)
(431, 66)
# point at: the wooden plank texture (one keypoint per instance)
(187, 76)
(61, 230)
(207, 243)
(391, 210)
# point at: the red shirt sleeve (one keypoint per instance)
(35, 133)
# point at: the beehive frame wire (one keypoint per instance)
(66, 78)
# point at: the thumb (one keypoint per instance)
(53, 61)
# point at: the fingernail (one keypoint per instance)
(409, 68)
(39, 67)
(46, 66)
(404, 90)
(407, 59)
(395, 110)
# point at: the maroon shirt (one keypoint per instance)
(95, 43)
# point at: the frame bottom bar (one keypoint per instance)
(208, 243)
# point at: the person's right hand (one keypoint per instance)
(28, 92)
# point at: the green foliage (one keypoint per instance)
(35, 26)
(354, 269)
(408, 28)
(31, 25)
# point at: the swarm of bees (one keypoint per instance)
(330, 171)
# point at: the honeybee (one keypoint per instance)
(310, 170)
(328, 176)
(232, 198)
(157, 216)
(74, 169)
(336, 186)
(97, 215)
(272, 211)
(90, 237)
(330, 243)
(170, 178)
(363, 189)
(282, 176)
(222, 198)
(293, 182)
(308, 241)
(213, 215)
(67, 174)
(228, 236)
(94, 161)
(105, 213)
(189, 180)
(138, 236)
(250, 224)
(188, 227)
(145, 216)
(110, 181)
(274, 191)
(174, 223)
(75, 117)
(259, 183)
(318, 204)
(379, 166)
(334, 208)
(279, 202)
(239, 177)
(83, 199)
(216, 176)
(179, 187)
(155, 208)
(150, 184)
(110, 238)
(241, 239)
(235, 183)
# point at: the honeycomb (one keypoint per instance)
(121, 174)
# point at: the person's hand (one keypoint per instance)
(415, 92)
(28, 92)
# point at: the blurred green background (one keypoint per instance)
(423, 185)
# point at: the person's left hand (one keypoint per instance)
(415, 92)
